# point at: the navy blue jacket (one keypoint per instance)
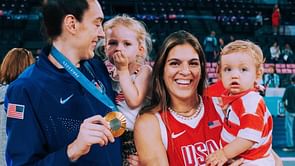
(50, 122)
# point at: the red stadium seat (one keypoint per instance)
(214, 64)
(286, 71)
(208, 64)
(212, 70)
(266, 65)
(210, 75)
(289, 66)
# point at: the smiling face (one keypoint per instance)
(182, 72)
(238, 72)
(124, 40)
(90, 30)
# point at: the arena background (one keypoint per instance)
(21, 26)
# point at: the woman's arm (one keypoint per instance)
(148, 141)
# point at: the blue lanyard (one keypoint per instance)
(88, 85)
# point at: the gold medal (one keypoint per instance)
(117, 123)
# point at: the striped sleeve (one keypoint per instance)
(254, 119)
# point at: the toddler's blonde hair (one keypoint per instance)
(247, 47)
(138, 27)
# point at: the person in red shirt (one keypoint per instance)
(275, 19)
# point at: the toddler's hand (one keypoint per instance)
(217, 158)
(121, 61)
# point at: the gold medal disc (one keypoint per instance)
(117, 123)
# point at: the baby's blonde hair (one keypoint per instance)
(138, 27)
(247, 47)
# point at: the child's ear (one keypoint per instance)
(141, 51)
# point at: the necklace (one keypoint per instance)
(195, 115)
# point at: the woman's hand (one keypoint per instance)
(93, 130)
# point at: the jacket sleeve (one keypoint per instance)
(26, 140)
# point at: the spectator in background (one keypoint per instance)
(259, 19)
(221, 44)
(271, 79)
(210, 47)
(275, 19)
(287, 54)
(274, 52)
(14, 62)
(231, 38)
(289, 103)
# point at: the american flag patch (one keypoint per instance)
(214, 124)
(15, 111)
